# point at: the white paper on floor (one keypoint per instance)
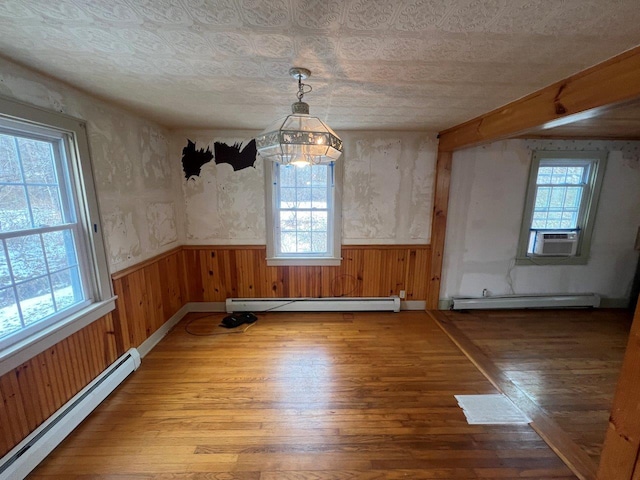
(490, 410)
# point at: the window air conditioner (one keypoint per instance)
(556, 243)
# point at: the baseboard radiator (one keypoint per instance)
(527, 301)
(23, 458)
(329, 304)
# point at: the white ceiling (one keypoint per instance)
(404, 64)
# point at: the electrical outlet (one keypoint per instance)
(402, 294)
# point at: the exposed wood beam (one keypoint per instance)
(438, 227)
(621, 452)
(613, 81)
(616, 80)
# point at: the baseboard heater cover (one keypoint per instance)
(527, 301)
(329, 304)
(25, 456)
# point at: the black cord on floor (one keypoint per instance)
(224, 331)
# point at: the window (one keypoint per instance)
(560, 207)
(53, 272)
(302, 206)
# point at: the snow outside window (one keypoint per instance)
(301, 215)
(53, 269)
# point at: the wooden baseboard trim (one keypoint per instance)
(145, 263)
(571, 454)
(145, 347)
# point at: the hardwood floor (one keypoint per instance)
(566, 361)
(299, 397)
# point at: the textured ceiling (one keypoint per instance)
(404, 64)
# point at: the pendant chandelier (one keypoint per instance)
(299, 139)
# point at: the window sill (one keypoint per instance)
(18, 353)
(545, 261)
(302, 262)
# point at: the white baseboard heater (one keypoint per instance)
(329, 304)
(26, 456)
(527, 301)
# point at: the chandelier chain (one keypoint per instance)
(301, 88)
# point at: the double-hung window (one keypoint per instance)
(303, 215)
(560, 207)
(53, 273)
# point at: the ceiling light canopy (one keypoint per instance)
(299, 139)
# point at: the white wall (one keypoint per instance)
(147, 206)
(488, 187)
(136, 190)
(387, 190)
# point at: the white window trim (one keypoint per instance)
(598, 161)
(311, 260)
(103, 299)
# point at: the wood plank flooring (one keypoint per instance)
(301, 397)
(566, 361)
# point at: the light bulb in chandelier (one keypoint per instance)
(299, 135)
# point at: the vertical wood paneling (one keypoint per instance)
(33, 391)
(242, 272)
(148, 295)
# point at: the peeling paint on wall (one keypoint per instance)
(109, 146)
(122, 236)
(223, 205)
(193, 159)
(235, 156)
(388, 187)
(130, 164)
(32, 92)
(371, 187)
(423, 177)
(387, 191)
(161, 222)
(154, 147)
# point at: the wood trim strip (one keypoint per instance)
(224, 247)
(613, 81)
(439, 226)
(385, 246)
(145, 263)
(559, 441)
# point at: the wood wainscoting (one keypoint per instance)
(33, 391)
(148, 294)
(153, 291)
(214, 274)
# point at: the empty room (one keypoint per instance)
(319, 240)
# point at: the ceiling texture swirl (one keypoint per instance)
(376, 65)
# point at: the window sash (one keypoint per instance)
(278, 210)
(593, 164)
(577, 211)
(78, 270)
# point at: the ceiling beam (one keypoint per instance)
(594, 89)
(613, 81)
